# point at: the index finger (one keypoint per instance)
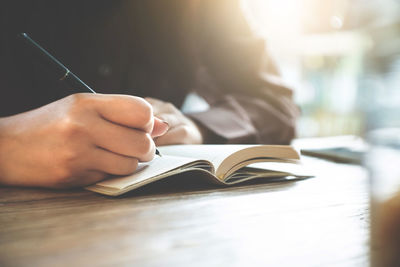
(129, 111)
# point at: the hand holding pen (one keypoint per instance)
(58, 68)
(77, 140)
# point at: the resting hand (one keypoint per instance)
(182, 130)
(77, 141)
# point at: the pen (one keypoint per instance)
(62, 72)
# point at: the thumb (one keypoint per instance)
(160, 127)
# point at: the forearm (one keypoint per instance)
(247, 119)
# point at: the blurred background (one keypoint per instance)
(341, 56)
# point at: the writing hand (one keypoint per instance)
(182, 130)
(77, 141)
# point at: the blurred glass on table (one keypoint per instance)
(383, 161)
(381, 105)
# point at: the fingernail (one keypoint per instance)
(164, 129)
(166, 123)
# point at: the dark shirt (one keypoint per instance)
(161, 49)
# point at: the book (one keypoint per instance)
(220, 164)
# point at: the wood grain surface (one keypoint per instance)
(322, 221)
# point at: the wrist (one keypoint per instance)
(8, 146)
(3, 143)
(207, 136)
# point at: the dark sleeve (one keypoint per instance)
(248, 104)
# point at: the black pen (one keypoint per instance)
(62, 72)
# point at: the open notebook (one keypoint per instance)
(222, 164)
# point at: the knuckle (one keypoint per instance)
(186, 134)
(185, 131)
(147, 149)
(70, 128)
(79, 99)
(145, 105)
(145, 112)
(145, 145)
(80, 104)
(169, 106)
(147, 117)
(66, 159)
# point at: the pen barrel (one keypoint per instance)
(55, 66)
(76, 84)
(42, 56)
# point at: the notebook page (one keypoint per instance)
(213, 153)
(157, 166)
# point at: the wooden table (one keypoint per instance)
(323, 221)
